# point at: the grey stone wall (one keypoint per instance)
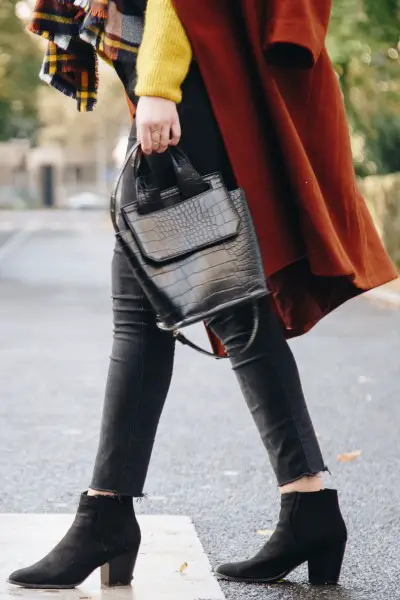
(382, 194)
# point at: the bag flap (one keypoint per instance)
(186, 227)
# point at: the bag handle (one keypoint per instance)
(189, 181)
(133, 152)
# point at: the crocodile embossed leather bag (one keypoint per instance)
(196, 253)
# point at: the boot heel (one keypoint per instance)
(324, 567)
(119, 570)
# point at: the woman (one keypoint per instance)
(248, 96)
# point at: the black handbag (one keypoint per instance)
(195, 252)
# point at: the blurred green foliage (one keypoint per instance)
(19, 65)
(364, 46)
(363, 43)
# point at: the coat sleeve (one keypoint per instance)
(295, 31)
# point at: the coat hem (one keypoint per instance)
(293, 332)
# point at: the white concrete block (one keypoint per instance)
(168, 543)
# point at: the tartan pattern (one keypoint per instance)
(77, 32)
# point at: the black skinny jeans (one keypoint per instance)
(142, 356)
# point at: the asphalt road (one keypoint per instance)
(55, 337)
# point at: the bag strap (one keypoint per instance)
(113, 199)
(177, 333)
(184, 340)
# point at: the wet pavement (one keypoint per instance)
(208, 464)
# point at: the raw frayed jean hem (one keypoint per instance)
(325, 469)
(137, 497)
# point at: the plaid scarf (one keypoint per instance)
(79, 30)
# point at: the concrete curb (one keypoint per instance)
(385, 296)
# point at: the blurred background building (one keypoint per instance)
(53, 156)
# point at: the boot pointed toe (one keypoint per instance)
(39, 576)
(19, 577)
(247, 571)
(30, 578)
(227, 571)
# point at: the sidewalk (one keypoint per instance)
(208, 462)
(388, 294)
(171, 565)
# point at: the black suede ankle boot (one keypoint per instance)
(105, 533)
(310, 529)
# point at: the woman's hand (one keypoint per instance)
(157, 124)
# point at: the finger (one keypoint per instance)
(155, 138)
(176, 133)
(164, 138)
(145, 139)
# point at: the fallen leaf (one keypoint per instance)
(183, 567)
(349, 456)
(265, 532)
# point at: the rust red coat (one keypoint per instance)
(279, 106)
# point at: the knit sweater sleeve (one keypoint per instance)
(164, 54)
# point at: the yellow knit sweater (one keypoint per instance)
(165, 53)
